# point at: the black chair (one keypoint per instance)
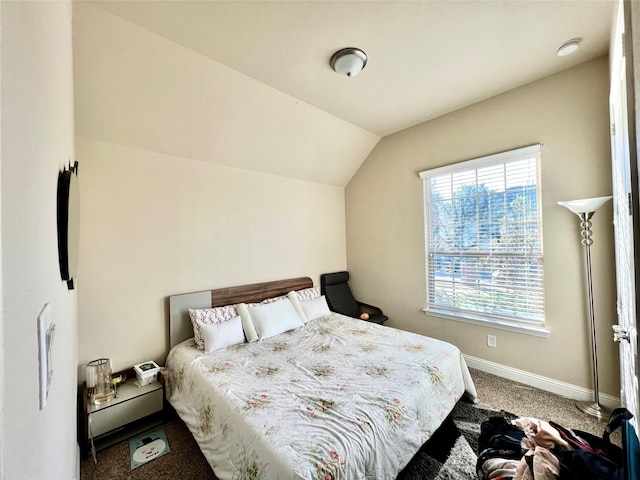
(336, 290)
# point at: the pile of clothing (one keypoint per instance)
(532, 449)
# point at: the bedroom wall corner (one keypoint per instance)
(567, 113)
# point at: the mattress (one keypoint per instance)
(337, 399)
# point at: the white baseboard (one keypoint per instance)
(543, 383)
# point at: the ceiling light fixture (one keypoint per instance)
(568, 47)
(349, 61)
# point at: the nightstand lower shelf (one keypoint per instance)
(129, 430)
(133, 411)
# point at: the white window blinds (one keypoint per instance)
(483, 239)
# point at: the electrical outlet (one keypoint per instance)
(491, 341)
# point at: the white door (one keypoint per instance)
(625, 193)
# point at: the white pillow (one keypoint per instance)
(295, 301)
(247, 322)
(206, 316)
(272, 319)
(222, 335)
(316, 308)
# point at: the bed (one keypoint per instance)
(335, 398)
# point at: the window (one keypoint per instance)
(483, 241)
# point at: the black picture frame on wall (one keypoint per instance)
(68, 215)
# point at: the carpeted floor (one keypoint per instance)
(449, 455)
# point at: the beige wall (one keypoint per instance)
(37, 141)
(153, 225)
(192, 176)
(568, 114)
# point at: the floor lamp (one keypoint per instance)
(585, 209)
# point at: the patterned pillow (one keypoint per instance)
(266, 301)
(307, 294)
(206, 316)
(271, 300)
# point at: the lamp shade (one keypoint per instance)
(585, 205)
(349, 61)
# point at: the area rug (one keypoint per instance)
(451, 453)
(148, 447)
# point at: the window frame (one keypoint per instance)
(535, 327)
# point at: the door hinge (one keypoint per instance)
(630, 203)
(613, 129)
(620, 334)
(624, 48)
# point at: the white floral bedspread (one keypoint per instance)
(337, 399)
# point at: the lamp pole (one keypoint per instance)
(591, 408)
(585, 210)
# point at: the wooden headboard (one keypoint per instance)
(180, 327)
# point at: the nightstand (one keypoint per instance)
(134, 410)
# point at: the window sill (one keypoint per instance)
(500, 324)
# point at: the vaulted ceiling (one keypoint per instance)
(426, 58)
